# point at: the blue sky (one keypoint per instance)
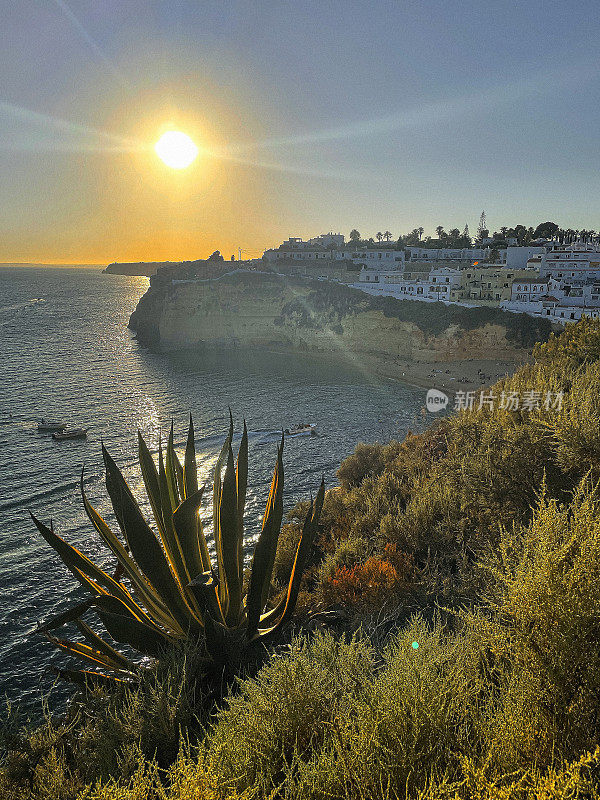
(325, 115)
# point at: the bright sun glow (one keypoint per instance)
(176, 149)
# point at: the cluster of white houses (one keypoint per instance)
(559, 282)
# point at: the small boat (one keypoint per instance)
(47, 425)
(70, 433)
(302, 430)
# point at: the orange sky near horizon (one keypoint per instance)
(129, 206)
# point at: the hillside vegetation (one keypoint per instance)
(431, 318)
(446, 645)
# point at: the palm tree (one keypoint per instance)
(387, 236)
(379, 236)
(439, 230)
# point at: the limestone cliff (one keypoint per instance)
(256, 309)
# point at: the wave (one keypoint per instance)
(9, 313)
(52, 491)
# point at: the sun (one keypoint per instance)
(176, 149)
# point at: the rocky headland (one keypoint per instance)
(144, 268)
(404, 339)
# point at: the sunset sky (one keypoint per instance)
(309, 117)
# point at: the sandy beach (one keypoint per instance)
(448, 376)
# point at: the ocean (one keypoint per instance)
(67, 354)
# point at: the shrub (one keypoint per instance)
(287, 712)
(571, 781)
(370, 584)
(545, 588)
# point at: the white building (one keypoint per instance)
(376, 257)
(580, 260)
(382, 258)
(517, 257)
(327, 240)
(564, 299)
(465, 254)
(392, 284)
(564, 314)
(528, 290)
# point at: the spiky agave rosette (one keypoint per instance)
(173, 591)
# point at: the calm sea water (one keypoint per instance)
(67, 353)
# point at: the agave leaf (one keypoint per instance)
(144, 545)
(93, 587)
(85, 652)
(206, 590)
(70, 615)
(130, 631)
(264, 552)
(169, 538)
(150, 476)
(179, 473)
(190, 471)
(143, 588)
(229, 536)
(103, 647)
(205, 587)
(242, 486)
(189, 534)
(85, 679)
(81, 565)
(275, 511)
(302, 553)
(217, 484)
(171, 472)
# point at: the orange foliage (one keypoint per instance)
(371, 583)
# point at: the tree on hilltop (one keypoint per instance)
(546, 230)
(412, 238)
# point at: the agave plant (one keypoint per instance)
(166, 588)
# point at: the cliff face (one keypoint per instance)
(260, 310)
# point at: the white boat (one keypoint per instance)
(47, 425)
(302, 430)
(70, 433)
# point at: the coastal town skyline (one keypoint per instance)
(306, 118)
